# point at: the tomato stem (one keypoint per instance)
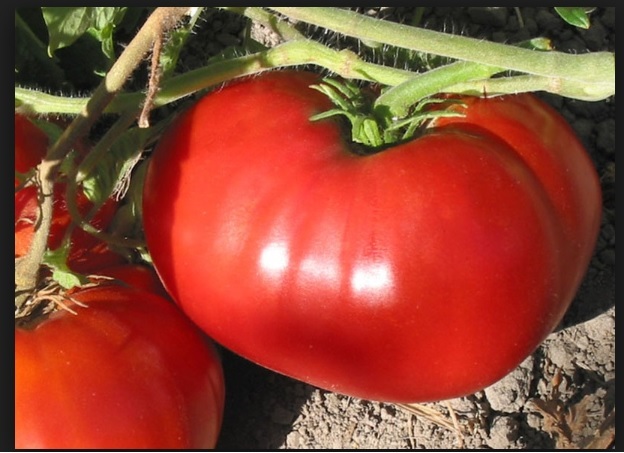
(373, 126)
(400, 98)
(356, 106)
(459, 77)
(568, 72)
(80, 173)
(291, 53)
(27, 268)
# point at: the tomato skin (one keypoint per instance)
(87, 253)
(550, 147)
(424, 272)
(135, 275)
(129, 371)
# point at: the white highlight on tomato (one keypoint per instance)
(372, 277)
(274, 258)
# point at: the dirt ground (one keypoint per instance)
(562, 396)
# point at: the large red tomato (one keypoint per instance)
(128, 371)
(87, 253)
(426, 271)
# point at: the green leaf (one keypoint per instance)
(104, 20)
(67, 278)
(33, 65)
(65, 25)
(105, 36)
(115, 165)
(577, 16)
(61, 273)
(539, 43)
(128, 220)
(171, 50)
(103, 17)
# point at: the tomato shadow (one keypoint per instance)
(261, 406)
(595, 296)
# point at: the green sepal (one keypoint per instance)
(355, 106)
(115, 165)
(56, 260)
(376, 128)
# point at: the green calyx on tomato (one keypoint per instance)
(375, 128)
(424, 272)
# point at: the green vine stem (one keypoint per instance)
(291, 53)
(399, 99)
(550, 71)
(567, 73)
(79, 173)
(33, 102)
(27, 267)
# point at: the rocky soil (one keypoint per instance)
(562, 396)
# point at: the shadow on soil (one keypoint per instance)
(595, 296)
(260, 405)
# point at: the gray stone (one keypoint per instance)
(504, 430)
(510, 393)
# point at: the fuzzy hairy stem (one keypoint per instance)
(568, 72)
(291, 53)
(400, 98)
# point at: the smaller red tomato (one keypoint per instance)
(127, 371)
